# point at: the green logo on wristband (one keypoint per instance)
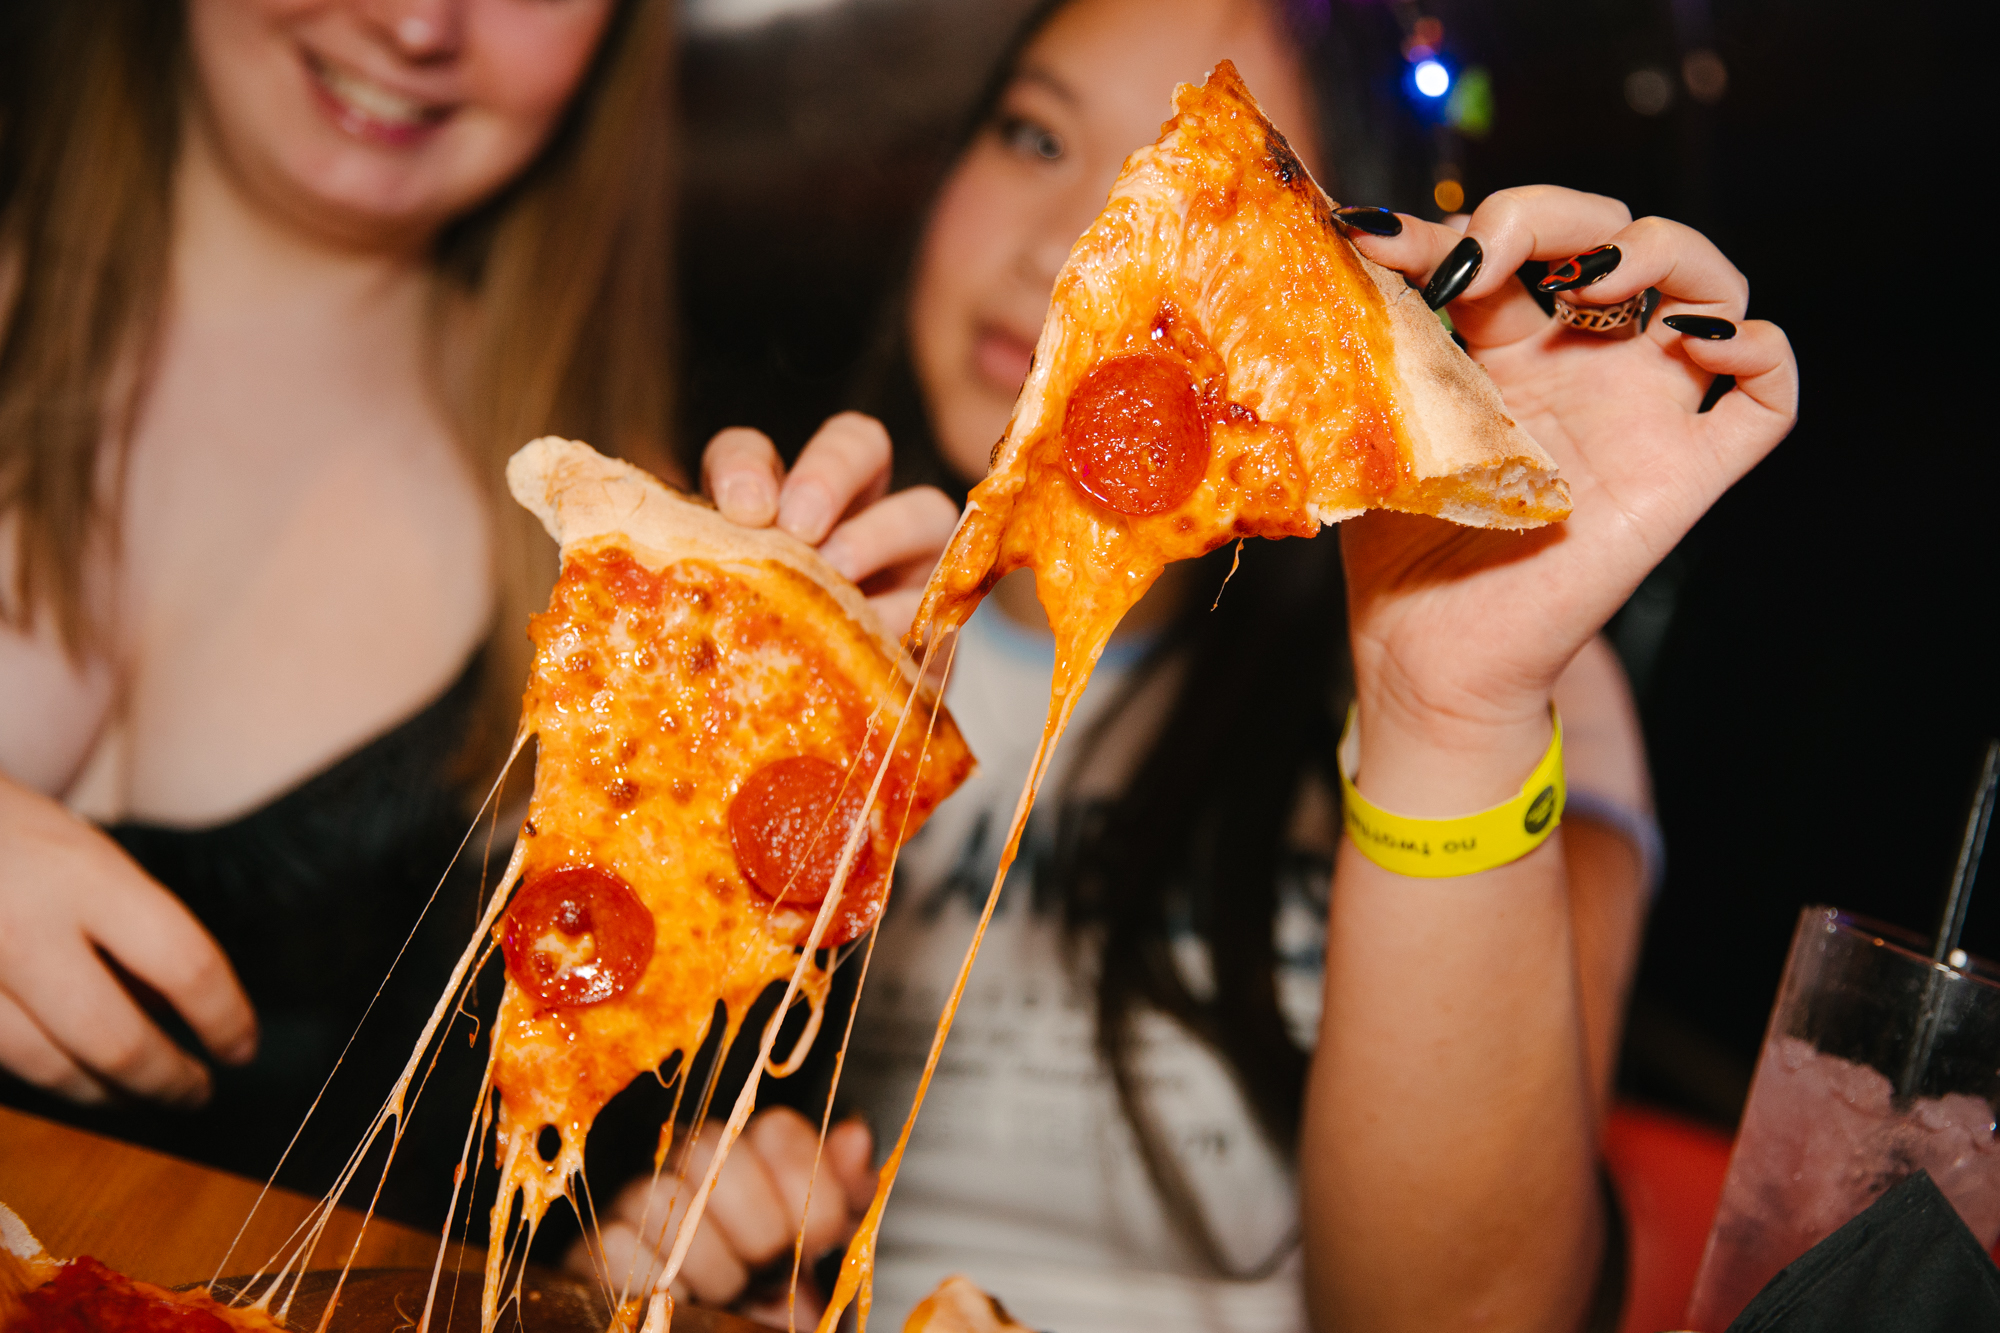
(1540, 810)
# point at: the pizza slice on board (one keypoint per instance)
(730, 753)
(1218, 362)
(42, 1294)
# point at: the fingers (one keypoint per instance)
(100, 1027)
(159, 941)
(1750, 420)
(1690, 272)
(73, 907)
(741, 472)
(748, 1211)
(850, 1155)
(891, 547)
(711, 1270)
(1508, 228)
(908, 528)
(1536, 222)
(627, 1256)
(1511, 227)
(753, 1213)
(843, 468)
(897, 610)
(789, 1148)
(31, 1055)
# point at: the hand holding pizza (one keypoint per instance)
(835, 498)
(1468, 629)
(1459, 636)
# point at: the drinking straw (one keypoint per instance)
(1976, 824)
(1977, 820)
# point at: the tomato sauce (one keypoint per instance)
(86, 1296)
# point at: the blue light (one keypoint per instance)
(1433, 79)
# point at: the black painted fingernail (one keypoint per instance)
(1581, 270)
(1368, 218)
(1649, 301)
(1455, 274)
(1701, 326)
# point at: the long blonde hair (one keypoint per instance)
(555, 295)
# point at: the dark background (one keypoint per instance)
(1815, 663)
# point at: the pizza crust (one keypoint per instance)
(1457, 424)
(580, 495)
(960, 1306)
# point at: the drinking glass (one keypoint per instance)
(1877, 1062)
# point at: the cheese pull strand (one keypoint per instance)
(1079, 645)
(746, 1100)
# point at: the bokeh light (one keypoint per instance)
(1450, 195)
(1707, 77)
(1433, 79)
(1470, 109)
(1649, 91)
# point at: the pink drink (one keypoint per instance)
(1821, 1139)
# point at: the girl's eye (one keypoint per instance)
(1030, 138)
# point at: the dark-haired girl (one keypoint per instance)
(1217, 1069)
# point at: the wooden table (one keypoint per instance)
(164, 1219)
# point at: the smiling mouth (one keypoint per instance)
(367, 109)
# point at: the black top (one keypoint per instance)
(311, 896)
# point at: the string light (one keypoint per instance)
(1455, 100)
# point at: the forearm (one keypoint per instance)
(1607, 913)
(1448, 1151)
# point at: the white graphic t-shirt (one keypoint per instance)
(1023, 1173)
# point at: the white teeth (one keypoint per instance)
(371, 99)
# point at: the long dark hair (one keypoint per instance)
(1198, 840)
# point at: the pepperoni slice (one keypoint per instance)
(1134, 437)
(788, 836)
(577, 936)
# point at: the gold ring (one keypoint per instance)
(1602, 319)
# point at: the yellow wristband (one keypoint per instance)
(1441, 848)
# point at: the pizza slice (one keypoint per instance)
(42, 1294)
(1218, 362)
(729, 754)
(959, 1306)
